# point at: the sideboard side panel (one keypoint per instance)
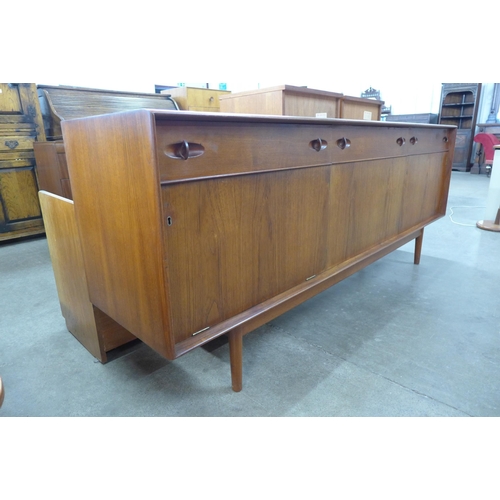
(112, 167)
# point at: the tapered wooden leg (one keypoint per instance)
(236, 359)
(418, 247)
(2, 392)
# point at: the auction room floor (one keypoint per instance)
(394, 339)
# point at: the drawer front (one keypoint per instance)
(234, 148)
(365, 143)
(203, 98)
(220, 149)
(12, 144)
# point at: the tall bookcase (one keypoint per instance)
(459, 106)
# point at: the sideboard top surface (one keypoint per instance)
(203, 117)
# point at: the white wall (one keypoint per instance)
(404, 52)
(486, 102)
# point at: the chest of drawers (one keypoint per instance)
(20, 127)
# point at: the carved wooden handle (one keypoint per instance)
(344, 143)
(184, 150)
(318, 144)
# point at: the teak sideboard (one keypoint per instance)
(194, 225)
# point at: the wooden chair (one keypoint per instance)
(487, 142)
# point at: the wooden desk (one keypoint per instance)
(60, 103)
(196, 225)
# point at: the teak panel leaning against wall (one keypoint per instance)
(195, 225)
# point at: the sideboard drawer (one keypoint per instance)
(190, 152)
(187, 152)
(359, 143)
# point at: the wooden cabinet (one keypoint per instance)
(52, 169)
(58, 103)
(196, 99)
(20, 126)
(301, 101)
(413, 118)
(197, 225)
(283, 100)
(357, 108)
(459, 107)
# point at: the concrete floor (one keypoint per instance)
(393, 340)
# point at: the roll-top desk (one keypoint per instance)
(194, 225)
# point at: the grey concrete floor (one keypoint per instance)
(393, 340)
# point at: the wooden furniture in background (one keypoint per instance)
(196, 225)
(459, 107)
(372, 93)
(489, 128)
(283, 100)
(413, 118)
(486, 153)
(357, 108)
(493, 129)
(63, 103)
(20, 127)
(60, 103)
(196, 99)
(288, 100)
(52, 169)
(97, 333)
